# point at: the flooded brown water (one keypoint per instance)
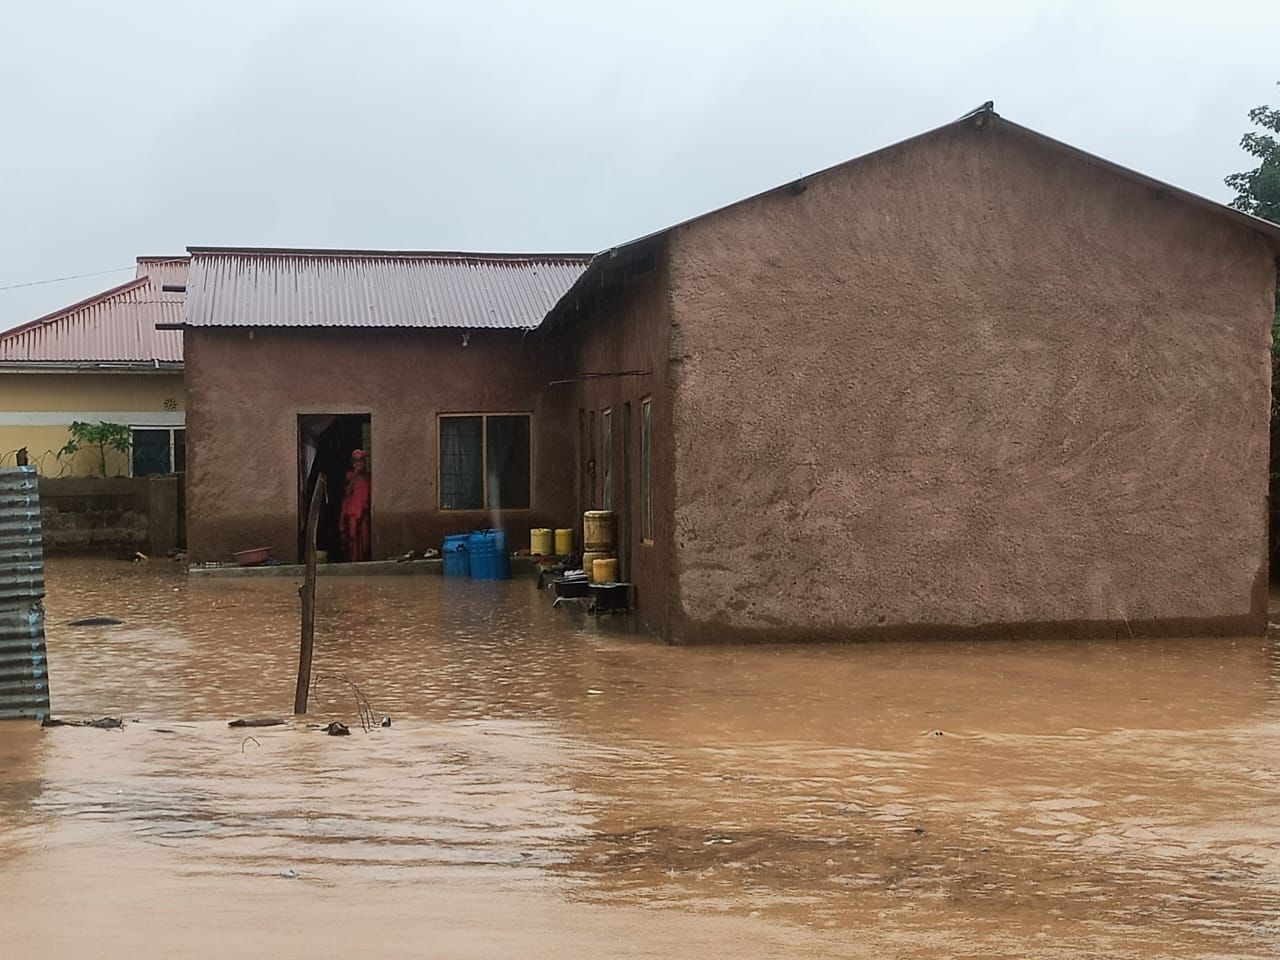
(551, 789)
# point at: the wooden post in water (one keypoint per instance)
(308, 594)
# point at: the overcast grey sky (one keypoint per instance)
(140, 128)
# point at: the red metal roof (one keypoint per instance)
(237, 287)
(165, 270)
(115, 326)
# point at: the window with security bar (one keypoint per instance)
(485, 461)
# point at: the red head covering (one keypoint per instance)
(357, 454)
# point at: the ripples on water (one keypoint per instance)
(999, 799)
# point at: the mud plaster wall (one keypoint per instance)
(629, 333)
(970, 381)
(244, 397)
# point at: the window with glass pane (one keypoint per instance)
(461, 463)
(484, 462)
(179, 451)
(150, 452)
(507, 455)
(606, 455)
(646, 469)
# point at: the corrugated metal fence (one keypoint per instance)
(24, 677)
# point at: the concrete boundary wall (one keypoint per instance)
(110, 513)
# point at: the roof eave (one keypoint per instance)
(1265, 228)
(90, 366)
(325, 326)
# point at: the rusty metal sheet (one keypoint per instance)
(342, 288)
(24, 677)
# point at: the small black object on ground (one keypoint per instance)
(595, 598)
(572, 587)
(610, 597)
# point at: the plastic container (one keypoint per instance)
(541, 543)
(590, 557)
(252, 558)
(457, 559)
(564, 541)
(488, 552)
(604, 571)
(599, 530)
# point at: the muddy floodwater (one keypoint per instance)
(549, 788)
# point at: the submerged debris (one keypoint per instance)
(364, 709)
(260, 722)
(104, 723)
(428, 554)
(95, 622)
(338, 729)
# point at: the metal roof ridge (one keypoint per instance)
(344, 253)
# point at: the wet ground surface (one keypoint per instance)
(551, 789)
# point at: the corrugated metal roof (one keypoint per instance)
(370, 288)
(164, 270)
(24, 676)
(115, 326)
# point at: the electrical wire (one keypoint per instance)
(76, 276)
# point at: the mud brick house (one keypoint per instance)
(296, 358)
(978, 383)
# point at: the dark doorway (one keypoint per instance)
(325, 445)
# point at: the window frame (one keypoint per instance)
(484, 460)
(646, 471)
(171, 430)
(606, 458)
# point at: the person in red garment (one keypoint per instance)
(353, 520)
